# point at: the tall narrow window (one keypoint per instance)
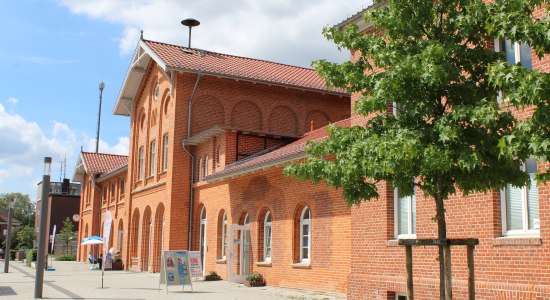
(165, 152)
(206, 166)
(521, 205)
(122, 187)
(405, 215)
(113, 191)
(267, 236)
(140, 164)
(200, 169)
(224, 236)
(202, 237)
(152, 159)
(305, 235)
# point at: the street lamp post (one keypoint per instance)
(7, 256)
(43, 229)
(101, 87)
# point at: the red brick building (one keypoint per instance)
(512, 260)
(209, 136)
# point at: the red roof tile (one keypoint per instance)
(103, 163)
(239, 67)
(294, 148)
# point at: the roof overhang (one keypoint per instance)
(79, 170)
(132, 82)
(118, 171)
(358, 18)
(219, 130)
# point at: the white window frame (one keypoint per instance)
(165, 152)
(152, 158)
(206, 166)
(410, 228)
(224, 236)
(525, 232)
(268, 240)
(397, 295)
(140, 163)
(200, 168)
(302, 223)
(517, 59)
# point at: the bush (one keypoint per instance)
(30, 256)
(12, 254)
(212, 276)
(117, 259)
(65, 257)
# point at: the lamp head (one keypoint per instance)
(190, 22)
(11, 203)
(101, 86)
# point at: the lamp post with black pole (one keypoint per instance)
(44, 229)
(7, 255)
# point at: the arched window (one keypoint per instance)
(206, 166)
(202, 237)
(267, 236)
(305, 234)
(246, 219)
(200, 169)
(223, 236)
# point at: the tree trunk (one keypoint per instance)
(445, 282)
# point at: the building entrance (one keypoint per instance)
(239, 253)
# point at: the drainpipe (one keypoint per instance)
(190, 235)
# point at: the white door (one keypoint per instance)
(239, 253)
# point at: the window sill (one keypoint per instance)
(301, 265)
(266, 263)
(392, 243)
(517, 241)
(222, 261)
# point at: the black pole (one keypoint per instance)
(44, 231)
(7, 255)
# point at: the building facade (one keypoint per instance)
(512, 225)
(209, 136)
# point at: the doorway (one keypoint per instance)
(239, 253)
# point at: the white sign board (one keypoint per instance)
(195, 265)
(175, 269)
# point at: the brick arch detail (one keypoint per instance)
(208, 111)
(319, 118)
(145, 236)
(283, 119)
(157, 237)
(134, 236)
(247, 115)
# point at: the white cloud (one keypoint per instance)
(279, 30)
(24, 145)
(12, 100)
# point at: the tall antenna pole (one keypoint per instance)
(190, 23)
(101, 87)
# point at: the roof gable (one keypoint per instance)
(98, 163)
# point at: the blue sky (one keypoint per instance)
(54, 54)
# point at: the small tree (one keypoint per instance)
(66, 233)
(432, 64)
(25, 235)
(24, 208)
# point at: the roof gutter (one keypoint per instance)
(192, 177)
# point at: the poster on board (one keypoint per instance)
(195, 265)
(175, 269)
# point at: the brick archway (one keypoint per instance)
(158, 238)
(134, 236)
(146, 242)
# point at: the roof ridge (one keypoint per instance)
(105, 153)
(232, 55)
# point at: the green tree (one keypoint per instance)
(25, 236)
(24, 208)
(431, 62)
(66, 233)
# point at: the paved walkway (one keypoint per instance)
(74, 280)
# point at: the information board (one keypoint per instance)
(175, 268)
(195, 264)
